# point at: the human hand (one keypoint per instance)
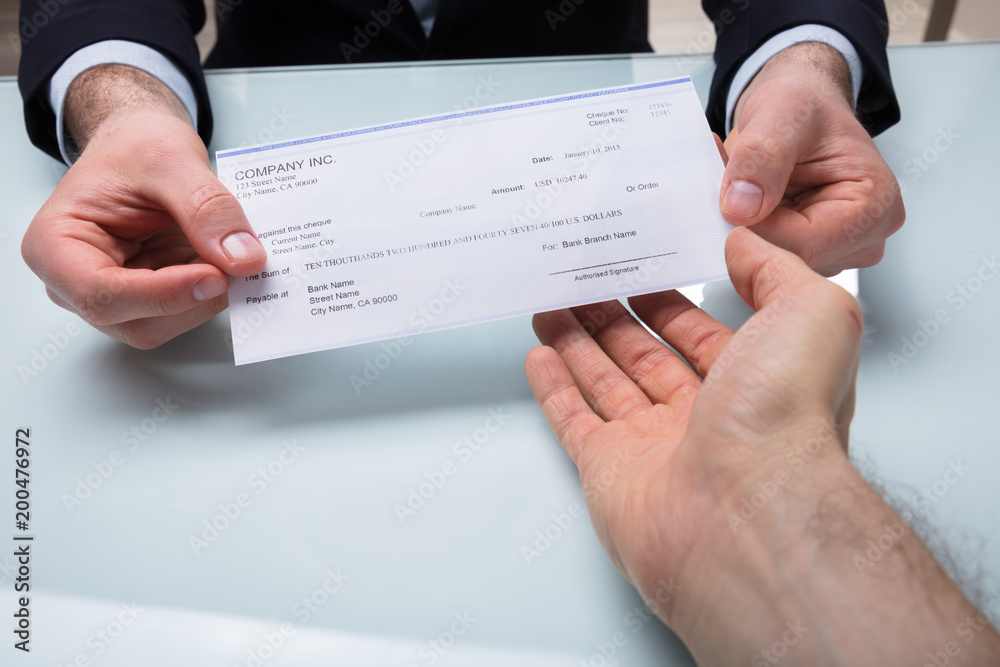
(730, 503)
(663, 456)
(140, 236)
(803, 171)
(612, 392)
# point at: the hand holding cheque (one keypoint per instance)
(141, 239)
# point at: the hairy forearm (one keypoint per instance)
(105, 91)
(824, 573)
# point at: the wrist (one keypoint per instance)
(808, 70)
(813, 565)
(756, 573)
(758, 492)
(112, 92)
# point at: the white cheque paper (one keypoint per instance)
(477, 215)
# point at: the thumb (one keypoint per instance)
(210, 216)
(765, 275)
(808, 321)
(761, 159)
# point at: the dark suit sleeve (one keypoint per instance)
(47, 41)
(744, 25)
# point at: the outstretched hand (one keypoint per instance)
(612, 393)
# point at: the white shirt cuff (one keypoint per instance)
(115, 51)
(780, 42)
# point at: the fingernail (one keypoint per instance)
(209, 288)
(241, 247)
(743, 200)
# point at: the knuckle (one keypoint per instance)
(168, 144)
(812, 255)
(141, 335)
(847, 303)
(55, 298)
(707, 343)
(604, 385)
(821, 292)
(212, 200)
(773, 271)
(758, 152)
(159, 151)
(772, 279)
(95, 306)
(898, 218)
(217, 305)
(28, 250)
(871, 256)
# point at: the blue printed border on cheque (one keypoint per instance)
(452, 116)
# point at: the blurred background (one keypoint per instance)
(678, 26)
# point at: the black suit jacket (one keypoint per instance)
(296, 32)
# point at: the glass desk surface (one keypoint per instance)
(136, 453)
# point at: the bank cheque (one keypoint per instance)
(466, 217)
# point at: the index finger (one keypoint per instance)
(684, 326)
(212, 218)
(106, 294)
